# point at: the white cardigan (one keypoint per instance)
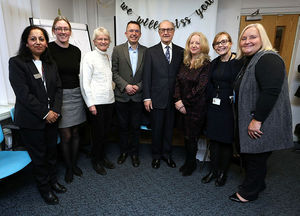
(96, 78)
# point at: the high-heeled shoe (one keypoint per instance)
(77, 171)
(210, 176)
(221, 179)
(69, 176)
(235, 198)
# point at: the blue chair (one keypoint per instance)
(12, 161)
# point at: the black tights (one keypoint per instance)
(220, 156)
(70, 145)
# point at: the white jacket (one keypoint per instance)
(96, 78)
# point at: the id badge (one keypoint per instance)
(216, 101)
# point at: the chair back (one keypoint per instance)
(1, 134)
(12, 113)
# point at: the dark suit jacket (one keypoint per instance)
(123, 75)
(31, 97)
(159, 76)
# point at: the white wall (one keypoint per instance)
(48, 9)
(229, 19)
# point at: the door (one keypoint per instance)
(281, 30)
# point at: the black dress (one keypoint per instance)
(220, 122)
(190, 88)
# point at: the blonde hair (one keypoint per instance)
(265, 41)
(60, 18)
(101, 30)
(202, 57)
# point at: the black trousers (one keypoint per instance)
(162, 131)
(256, 170)
(101, 124)
(220, 156)
(129, 115)
(41, 146)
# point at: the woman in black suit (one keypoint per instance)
(35, 80)
(220, 125)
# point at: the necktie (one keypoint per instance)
(168, 54)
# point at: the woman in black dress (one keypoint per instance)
(220, 125)
(189, 95)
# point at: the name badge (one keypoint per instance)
(216, 101)
(37, 76)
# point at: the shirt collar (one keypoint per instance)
(164, 45)
(129, 46)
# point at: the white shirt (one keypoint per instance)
(96, 78)
(165, 49)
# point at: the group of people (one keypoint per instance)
(238, 101)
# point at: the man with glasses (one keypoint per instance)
(162, 63)
(127, 68)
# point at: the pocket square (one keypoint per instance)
(37, 76)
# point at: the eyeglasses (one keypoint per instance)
(132, 30)
(169, 30)
(60, 29)
(222, 42)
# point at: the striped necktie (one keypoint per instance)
(168, 54)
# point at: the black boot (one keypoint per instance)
(221, 179)
(191, 160)
(184, 166)
(210, 176)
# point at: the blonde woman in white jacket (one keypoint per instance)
(97, 92)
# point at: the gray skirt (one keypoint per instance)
(72, 110)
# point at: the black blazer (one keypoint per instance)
(159, 76)
(31, 96)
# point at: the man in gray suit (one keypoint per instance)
(127, 68)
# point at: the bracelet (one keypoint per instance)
(180, 107)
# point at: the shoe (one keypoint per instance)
(169, 161)
(107, 164)
(183, 167)
(99, 169)
(77, 171)
(189, 169)
(135, 160)
(155, 163)
(58, 188)
(50, 198)
(235, 198)
(221, 180)
(210, 176)
(122, 158)
(69, 176)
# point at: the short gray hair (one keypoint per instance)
(101, 30)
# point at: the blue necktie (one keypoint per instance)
(168, 54)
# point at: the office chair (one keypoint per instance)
(12, 161)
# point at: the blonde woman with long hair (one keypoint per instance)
(189, 95)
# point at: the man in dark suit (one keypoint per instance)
(127, 68)
(162, 63)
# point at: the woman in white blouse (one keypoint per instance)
(97, 92)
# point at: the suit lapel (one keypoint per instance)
(126, 54)
(37, 76)
(161, 55)
(140, 58)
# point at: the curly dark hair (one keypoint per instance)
(25, 52)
